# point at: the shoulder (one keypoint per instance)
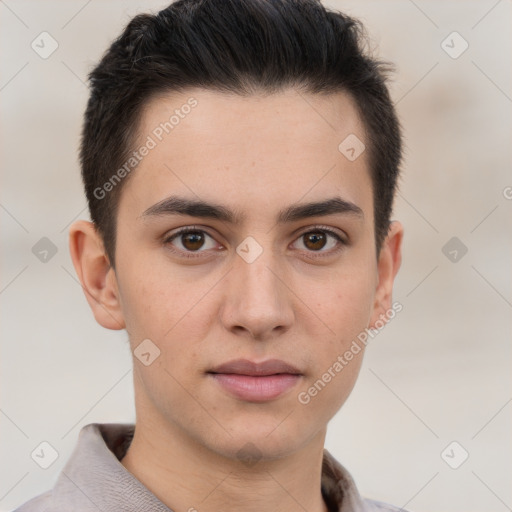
(380, 506)
(39, 503)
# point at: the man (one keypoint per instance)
(240, 159)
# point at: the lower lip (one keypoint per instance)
(254, 388)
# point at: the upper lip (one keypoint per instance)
(247, 367)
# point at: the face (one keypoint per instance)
(257, 276)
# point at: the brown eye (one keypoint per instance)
(189, 240)
(192, 241)
(315, 240)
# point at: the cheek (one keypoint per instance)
(325, 392)
(175, 318)
(344, 304)
(345, 309)
(143, 304)
(154, 302)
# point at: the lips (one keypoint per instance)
(256, 382)
(246, 367)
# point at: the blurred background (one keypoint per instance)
(428, 424)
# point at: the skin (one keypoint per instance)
(254, 155)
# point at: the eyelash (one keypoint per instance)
(197, 254)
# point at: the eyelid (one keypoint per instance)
(342, 242)
(341, 238)
(319, 227)
(167, 238)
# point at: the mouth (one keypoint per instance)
(256, 382)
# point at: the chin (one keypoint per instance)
(262, 440)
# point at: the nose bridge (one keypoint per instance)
(258, 298)
(260, 285)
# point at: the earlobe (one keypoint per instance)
(390, 259)
(97, 277)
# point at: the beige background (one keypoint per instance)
(439, 372)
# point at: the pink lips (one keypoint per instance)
(256, 382)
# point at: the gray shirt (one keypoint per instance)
(94, 480)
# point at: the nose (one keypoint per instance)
(258, 299)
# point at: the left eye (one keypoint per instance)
(318, 239)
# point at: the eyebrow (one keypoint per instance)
(176, 205)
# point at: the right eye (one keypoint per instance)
(190, 240)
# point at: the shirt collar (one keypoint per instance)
(95, 480)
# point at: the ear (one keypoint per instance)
(96, 275)
(390, 258)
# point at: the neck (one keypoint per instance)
(189, 477)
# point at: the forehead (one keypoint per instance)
(259, 150)
(320, 117)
